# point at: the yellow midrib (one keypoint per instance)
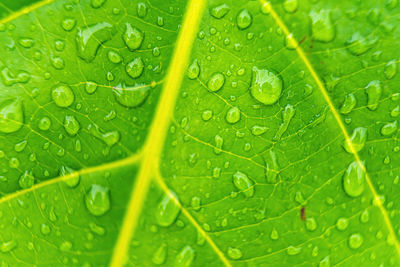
(25, 10)
(321, 87)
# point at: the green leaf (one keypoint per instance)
(195, 133)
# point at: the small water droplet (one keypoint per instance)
(72, 180)
(97, 200)
(114, 57)
(216, 82)
(45, 229)
(26, 42)
(389, 128)
(391, 69)
(141, 10)
(97, 3)
(374, 92)
(167, 210)
(266, 86)
(244, 19)
(11, 116)
(185, 257)
(353, 179)
(271, 171)
(196, 203)
(8, 246)
(219, 141)
(357, 140)
(71, 125)
(26, 180)
(258, 130)
(348, 104)
(109, 138)
(355, 241)
(133, 96)
(219, 11)
(243, 183)
(62, 95)
(207, 115)
(193, 70)
(135, 68)
(311, 224)
(291, 250)
(287, 115)
(233, 115)
(18, 147)
(395, 111)
(274, 234)
(325, 262)
(133, 37)
(234, 253)
(68, 24)
(160, 254)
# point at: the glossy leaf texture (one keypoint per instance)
(278, 148)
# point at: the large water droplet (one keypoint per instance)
(233, 115)
(109, 138)
(353, 179)
(131, 96)
(266, 86)
(68, 24)
(348, 104)
(97, 200)
(185, 257)
(219, 11)
(258, 130)
(135, 68)
(244, 19)
(89, 39)
(71, 125)
(63, 95)
(26, 180)
(160, 254)
(321, 26)
(342, 223)
(216, 82)
(243, 183)
(11, 115)
(133, 37)
(355, 241)
(374, 92)
(167, 210)
(358, 44)
(357, 140)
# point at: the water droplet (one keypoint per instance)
(89, 39)
(233, 115)
(353, 179)
(219, 141)
(193, 70)
(321, 25)
(71, 125)
(26, 180)
(325, 262)
(66, 246)
(258, 130)
(26, 42)
(196, 202)
(274, 234)
(207, 115)
(395, 111)
(266, 86)
(243, 184)
(311, 224)
(244, 19)
(185, 257)
(45, 229)
(133, 37)
(348, 104)
(364, 218)
(63, 95)
(109, 138)
(68, 24)
(97, 3)
(391, 69)
(114, 57)
(141, 10)
(20, 146)
(290, 6)
(11, 116)
(8, 246)
(216, 82)
(97, 200)
(135, 68)
(131, 96)
(44, 123)
(389, 128)
(72, 180)
(57, 62)
(355, 241)
(291, 250)
(271, 171)
(358, 44)
(287, 115)
(167, 210)
(90, 87)
(374, 92)
(97, 229)
(219, 11)
(234, 253)
(160, 254)
(357, 140)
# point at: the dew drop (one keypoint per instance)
(219, 141)
(58, 63)
(97, 200)
(355, 241)
(135, 68)
(358, 44)
(258, 130)
(44, 123)
(26, 180)
(348, 104)
(389, 128)
(133, 37)
(71, 125)
(287, 115)
(11, 116)
(233, 115)
(374, 92)
(243, 184)
(185, 257)
(395, 111)
(271, 171)
(160, 254)
(45, 229)
(274, 234)
(141, 10)
(207, 115)
(266, 86)
(321, 26)
(357, 140)
(193, 70)
(220, 11)
(391, 69)
(234, 253)
(196, 203)
(311, 224)
(291, 250)
(68, 24)
(114, 57)
(73, 180)
(244, 19)
(8, 246)
(26, 42)
(109, 138)
(90, 87)
(20, 146)
(131, 97)
(325, 262)
(353, 179)
(167, 210)
(62, 95)
(216, 82)
(97, 3)
(89, 39)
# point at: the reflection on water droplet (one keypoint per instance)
(167, 210)
(266, 86)
(97, 200)
(353, 179)
(11, 115)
